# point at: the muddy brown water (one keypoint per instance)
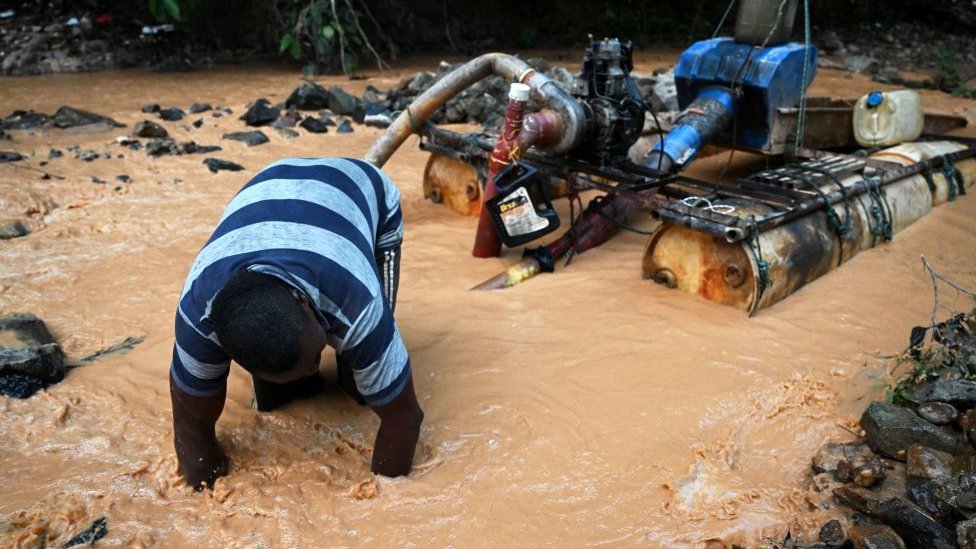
(582, 408)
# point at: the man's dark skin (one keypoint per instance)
(194, 418)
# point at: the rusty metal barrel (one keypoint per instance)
(757, 274)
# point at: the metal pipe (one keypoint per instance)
(570, 112)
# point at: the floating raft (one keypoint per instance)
(788, 226)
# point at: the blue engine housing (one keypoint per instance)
(770, 78)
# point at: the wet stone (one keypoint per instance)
(308, 96)
(161, 147)
(260, 113)
(198, 123)
(215, 165)
(27, 120)
(314, 125)
(892, 429)
(863, 472)
(54, 153)
(875, 536)
(915, 526)
(341, 102)
(10, 156)
(832, 453)
(937, 413)
(287, 133)
(198, 108)
(959, 491)
(832, 534)
(97, 530)
(20, 385)
(250, 139)
(12, 228)
(926, 463)
(288, 119)
(923, 493)
(327, 117)
(147, 128)
(27, 349)
(960, 393)
(150, 108)
(373, 95)
(172, 114)
(70, 117)
(122, 178)
(966, 534)
(344, 126)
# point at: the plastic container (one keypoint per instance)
(761, 22)
(883, 119)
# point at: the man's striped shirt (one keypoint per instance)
(317, 225)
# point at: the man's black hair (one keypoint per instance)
(259, 322)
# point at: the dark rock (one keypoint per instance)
(314, 125)
(892, 429)
(20, 385)
(10, 156)
(70, 117)
(915, 526)
(308, 96)
(251, 138)
(961, 393)
(341, 102)
(123, 178)
(198, 108)
(923, 493)
(937, 413)
(96, 531)
(215, 165)
(147, 128)
(260, 113)
(875, 536)
(966, 534)
(859, 499)
(198, 123)
(832, 533)
(327, 117)
(926, 463)
(832, 453)
(287, 133)
(12, 228)
(368, 109)
(29, 350)
(161, 147)
(27, 120)
(344, 126)
(373, 95)
(172, 114)
(863, 472)
(150, 108)
(288, 119)
(54, 153)
(959, 491)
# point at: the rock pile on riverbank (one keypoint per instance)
(910, 481)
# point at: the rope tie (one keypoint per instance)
(878, 213)
(954, 180)
(756, 248)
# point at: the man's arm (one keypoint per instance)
(194, 418)
(399, 430)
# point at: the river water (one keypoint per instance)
(583, 408)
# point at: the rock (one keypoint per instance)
(308, 96)
(915, 526)
(27, 120)
(959, 491)
(960, 393)
(369, 109)
(172, 114)
(287, 133)
(373, 95)
(966, 534)
(924, 494)
(97, 530)
(260, 113)
(937, 413)
(288, 119)
(150, 108)
(10, 156)
(12, 228)
(198, 108)
(863, 472)
(328, 117)
(54, 153)
(198, 123)
(70, 117)
(123, 178)
(215, 165)
(864, 64)
(859, 499)
(832, 453)
(832, 534)
(892, 429)
(926, 463)
(28, 349)
(665, 96)
(251, 138)
(147, 128)
(314, 125)
(344, 126)
(875, 536)
(341, 102)
(161, 147)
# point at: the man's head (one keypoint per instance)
(267, 327)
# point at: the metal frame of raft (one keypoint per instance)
(751, 244)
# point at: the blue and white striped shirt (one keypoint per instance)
(316, 224)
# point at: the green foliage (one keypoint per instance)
(928, 364)
(947, 78)
(165, 10)
(326, 34)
